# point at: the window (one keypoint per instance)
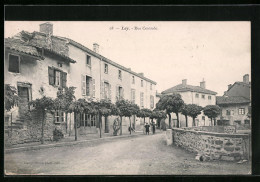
(133, 80)
(120, 74)
(241, 111)
(133, 96)
(106, 69)
(14, 63)
(106, 90)
(237, 122)
(203, 96)
(197, 95)
(209, 97)
(87, 86)
(151, 101)
(57, 77)
(88, 60)
(151, 86)
(142, 83)
(142, 99)
(59, 117)
(228, 112)
(203, 117)
(119, 93)
(93, 120)
(87, 120)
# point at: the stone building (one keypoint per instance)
(41, 60)
(235, 104)
(190, 94)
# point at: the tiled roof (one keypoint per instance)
(231, 100)
(104, 58)
(22, 47)
(241, 83)
(185, 88)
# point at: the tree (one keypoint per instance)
(212, 111)
(157, 114)
(184, 111)
(43, 105)
(77, 107)
(143, 113)
(193, 111)
(171, 103)
(64, 98)
(126, 109)
(11, 99)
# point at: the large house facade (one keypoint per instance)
(235, 104)
(47, 62)
(190, 94)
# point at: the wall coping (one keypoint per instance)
(213, 133)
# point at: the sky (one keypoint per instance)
(165, 51)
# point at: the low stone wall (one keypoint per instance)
(31, 131)
(213, 146)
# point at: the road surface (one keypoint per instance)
(139, 155)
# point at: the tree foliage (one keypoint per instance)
(193, 111)
(11, 97)
(211, 111)
(143, 113)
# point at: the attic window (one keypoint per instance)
(88, 60)
(14, 63)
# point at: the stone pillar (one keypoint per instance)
(169, 136)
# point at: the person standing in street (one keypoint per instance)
(147, 128)
(153, 127)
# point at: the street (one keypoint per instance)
(139, 155)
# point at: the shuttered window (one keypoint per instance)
(152, 102)
(93, 88)
(142, 99)
(14, 63)
(106, 90)
(57, 77)
(83, 84)
(133, 95)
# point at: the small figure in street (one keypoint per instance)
(153, 127)
(131, 129)
(146, 128)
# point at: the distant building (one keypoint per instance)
(198, 95)
(236, 103)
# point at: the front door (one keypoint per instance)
(23, 93)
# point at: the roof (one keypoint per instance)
(76, 44)
(186, 88)
(222, 100)
(22, 47)
(241, 83)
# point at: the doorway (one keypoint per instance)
(24, 92)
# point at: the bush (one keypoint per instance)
(57, 135)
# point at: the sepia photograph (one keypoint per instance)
(127, 98)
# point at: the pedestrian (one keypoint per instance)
(131, 129)
(146, 128)
(153, 127)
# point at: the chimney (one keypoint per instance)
(184, 82)
(246, 78)
(46, 28)
(141, 74)
(229, 86)
(96, 47)
(203, 84)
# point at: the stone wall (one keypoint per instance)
(213, 146)
(31, 130)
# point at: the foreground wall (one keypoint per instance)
(213, 146)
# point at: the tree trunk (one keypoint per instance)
(211, 121)
(11, 123)
(144, 120)
(43, 117)
(159, 122)
(106, 125)
(193, 120)
(70, 126)
(100, 126)
(178, 123)
(121, 119)
(170, 121)
(186, 118)
(134, 122)
(215, 123)
(75, 126)
(130, 125)
(66, 118)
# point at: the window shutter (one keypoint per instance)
(51, 75)
(93, 88)
(102, 90)
(83, 84)
(109, 91)
(117, 93)
(64, 79)
(122, 93)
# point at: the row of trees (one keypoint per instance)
(174, 104)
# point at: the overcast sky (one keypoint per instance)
(219, 52)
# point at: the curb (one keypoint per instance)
(38, 147)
